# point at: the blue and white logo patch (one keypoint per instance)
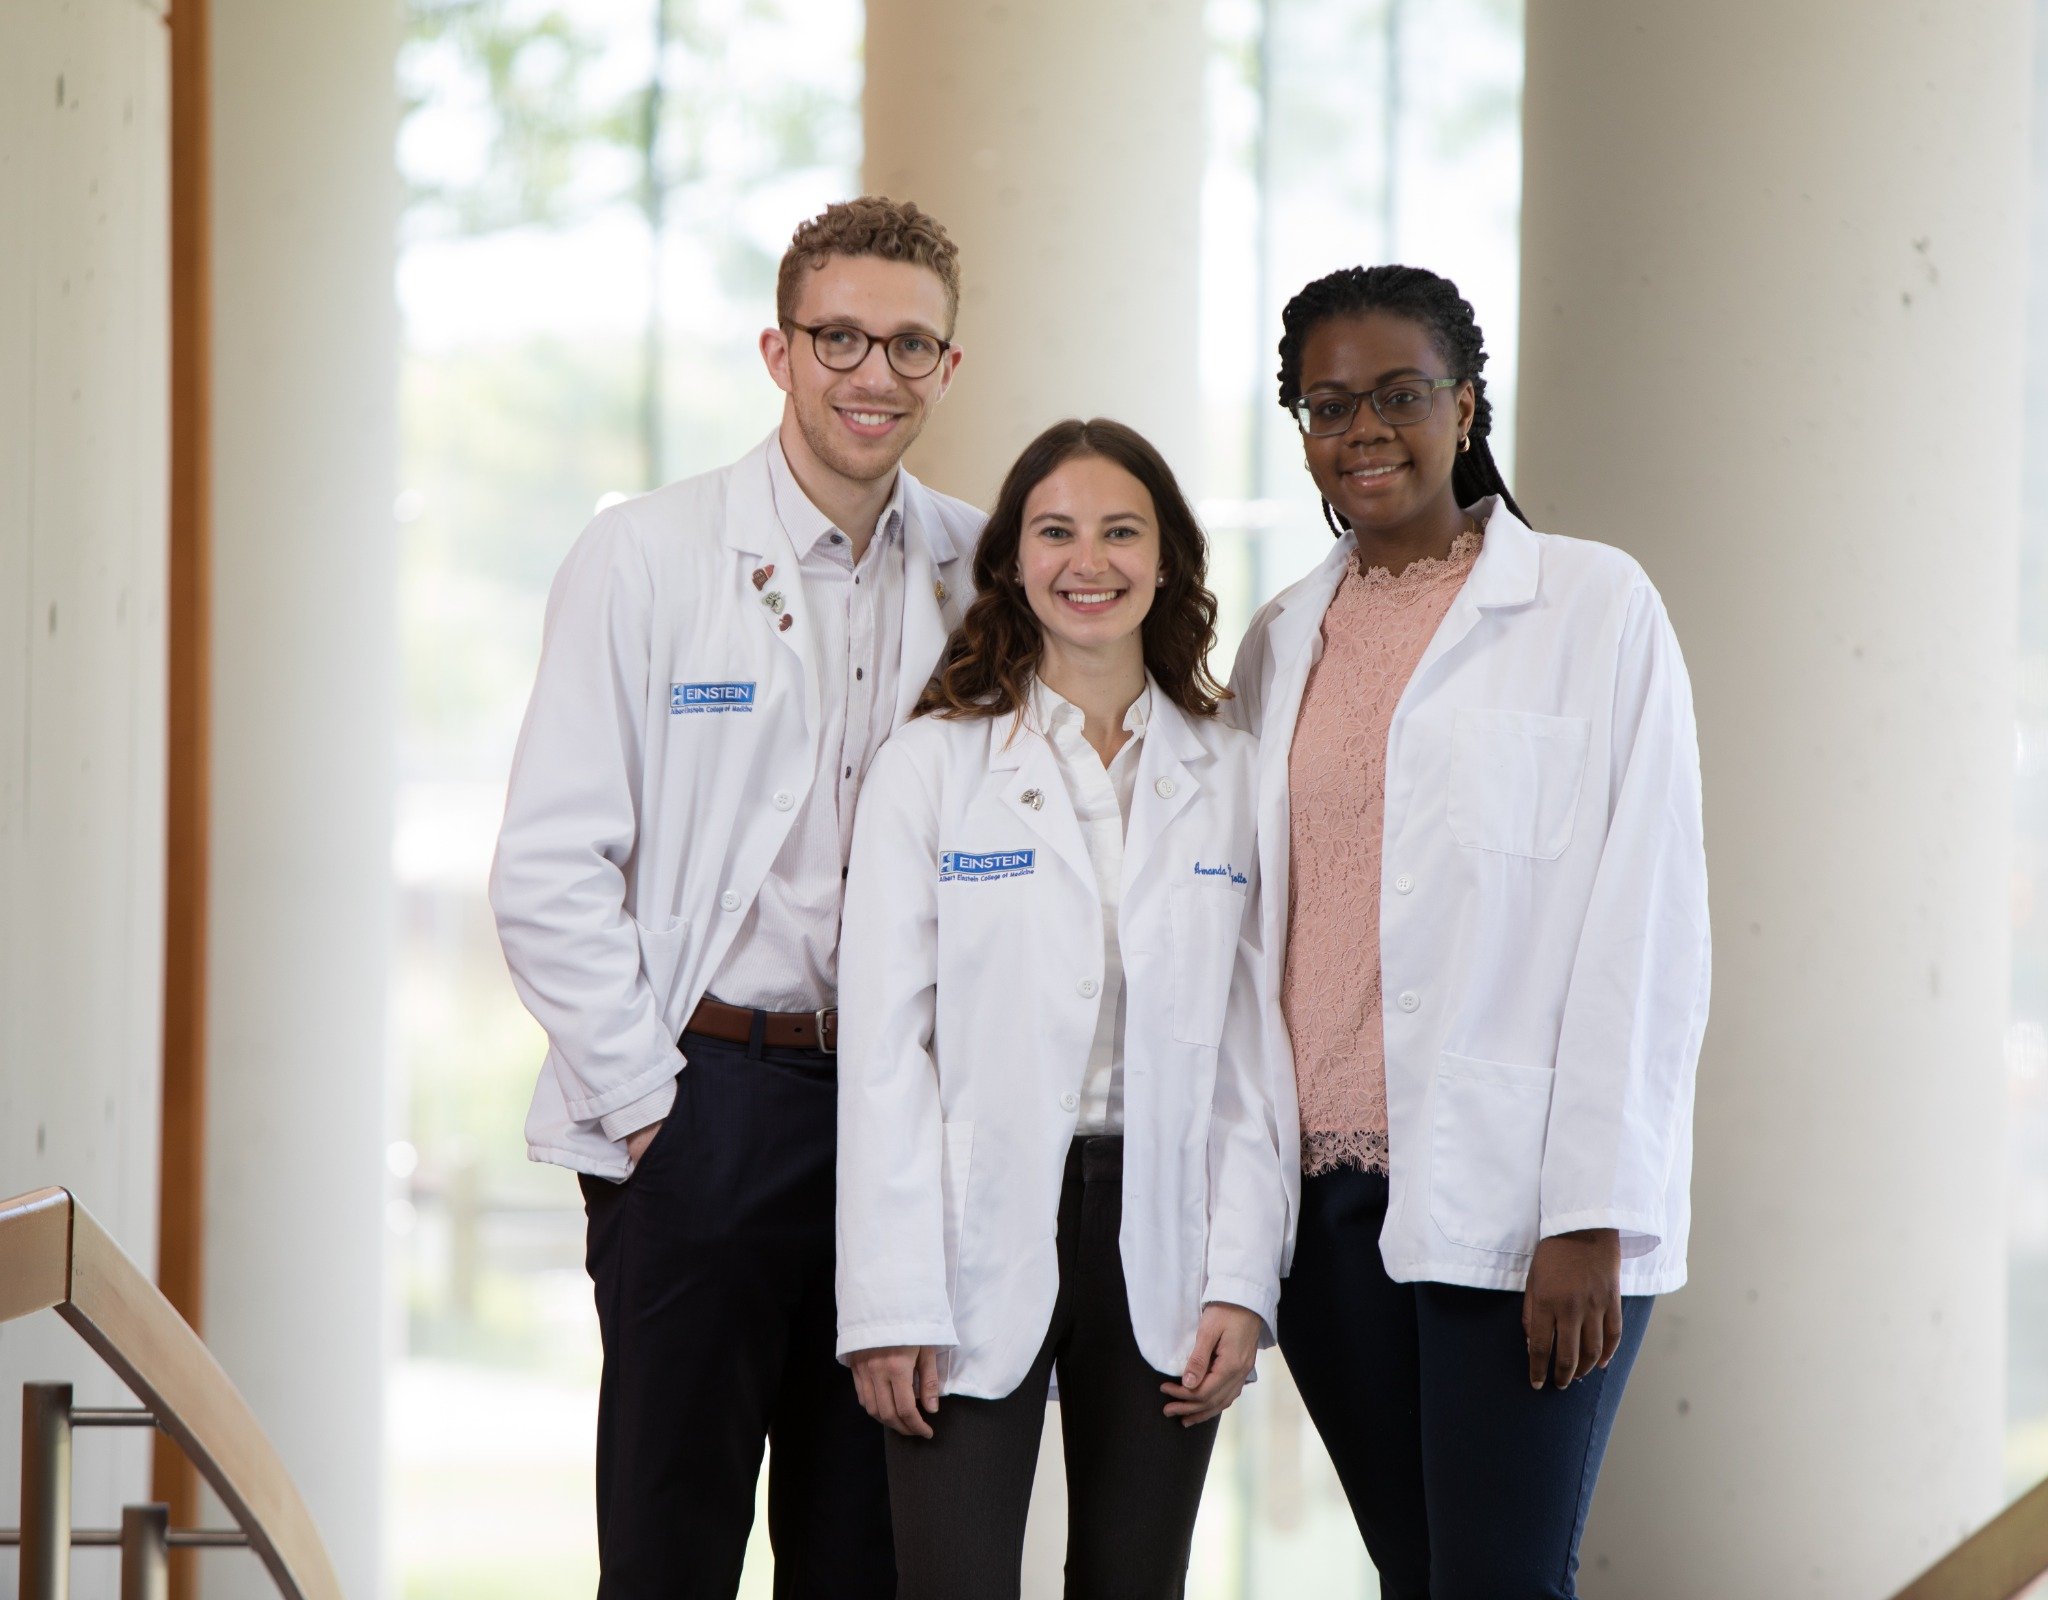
(1225, 870)
(697, 699)
(983, 866)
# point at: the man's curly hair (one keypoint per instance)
(871, 225)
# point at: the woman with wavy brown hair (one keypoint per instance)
(1059, 1153)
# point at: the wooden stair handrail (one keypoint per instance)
(54, 1256)
(2000, 1560)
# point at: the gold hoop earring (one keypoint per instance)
(1464, 443)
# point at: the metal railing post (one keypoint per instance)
(145, 1552)
(45, 1491)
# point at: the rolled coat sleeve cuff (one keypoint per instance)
(1640, 1232)
(647, 1110)
(882, 1335)
(1262, 1299)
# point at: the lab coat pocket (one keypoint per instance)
(1486, 1160)
(1207, 918)
(958, 1157)
(1515, 780)
(661, 963)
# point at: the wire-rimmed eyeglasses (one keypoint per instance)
(1398, 404)
(842, 347)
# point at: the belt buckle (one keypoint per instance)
(818, 1017)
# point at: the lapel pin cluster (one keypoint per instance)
(777, 606)
(1033, 799)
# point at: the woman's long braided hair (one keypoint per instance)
(1434, 303)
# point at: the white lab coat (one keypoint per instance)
(970, 970)
(672, 734)
(1543, 907)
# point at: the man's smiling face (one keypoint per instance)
(858, 424)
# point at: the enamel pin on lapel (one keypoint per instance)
(1033, 799)
(761, 575)
(939, 591)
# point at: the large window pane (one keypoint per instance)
(589, 253)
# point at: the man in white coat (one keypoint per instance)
(722, 659)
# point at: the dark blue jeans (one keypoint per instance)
(1466, 1483)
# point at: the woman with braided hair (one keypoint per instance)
(1479, 812)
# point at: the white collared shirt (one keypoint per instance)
(786, 954)
(1102, 805)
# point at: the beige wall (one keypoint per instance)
(1772, 293)
(305, 207)
(83, 139)
(1061, 145)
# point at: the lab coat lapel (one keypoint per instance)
(759, 542)
(1292, 640)
(1036, 792)
(929, 576)
(1505, 574)
(1165, 784)
(1292, 635)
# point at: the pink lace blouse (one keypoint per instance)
(1374, 634)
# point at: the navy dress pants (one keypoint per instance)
(713, 1272)
(1466, 1483)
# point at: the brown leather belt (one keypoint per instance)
(785, 1030)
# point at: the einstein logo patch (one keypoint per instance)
(982, 866)
(696, 699)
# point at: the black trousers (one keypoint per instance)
(1134, 1474)
(1466, 1483)
(713, 1272)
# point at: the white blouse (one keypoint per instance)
(1102, 805)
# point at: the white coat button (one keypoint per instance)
(784, 799)
(1164, 788)
(1404, 883)
(730, 900)
(1069, 1102)
(1087, 986)
(1409, 1000)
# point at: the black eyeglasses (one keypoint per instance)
(1398, 404)
(842, 347)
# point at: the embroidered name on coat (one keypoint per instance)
(697, 699)
(981, 866)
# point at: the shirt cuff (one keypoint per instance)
(647, 1110)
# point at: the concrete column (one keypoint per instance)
(83, 292)
(1771, 317)
(1061, 145)
(305, 202)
